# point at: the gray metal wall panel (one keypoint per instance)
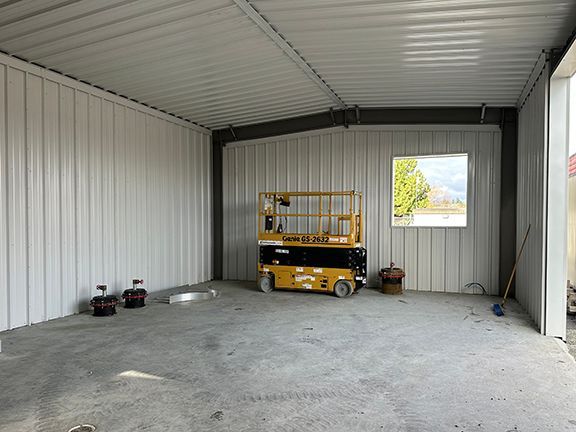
(438, 259)
(18, 301)
(94, 188)
(35, 193)
(4, 310)
(531, 198)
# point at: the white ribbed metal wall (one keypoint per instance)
(435, 259)
(94, 188)
(531, 196)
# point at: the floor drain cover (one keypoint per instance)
(83, 428)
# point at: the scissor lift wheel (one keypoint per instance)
(343, 288)
(266, 284)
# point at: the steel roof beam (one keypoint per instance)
(368, 116)
(279, 40)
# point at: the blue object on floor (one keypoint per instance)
(497, 309)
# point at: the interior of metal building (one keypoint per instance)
(195, 158)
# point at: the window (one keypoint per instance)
(430, 191)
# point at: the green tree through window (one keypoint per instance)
(411, 188)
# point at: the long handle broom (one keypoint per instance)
(498, 308)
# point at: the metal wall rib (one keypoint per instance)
(435, 259)
(94, 188)
(531, 196)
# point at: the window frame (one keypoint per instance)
(469, 170)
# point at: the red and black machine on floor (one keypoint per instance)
(135, 297)
(104, 305)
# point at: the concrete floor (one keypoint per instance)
(288, 361)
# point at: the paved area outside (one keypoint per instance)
(290, 361)
(571, 334)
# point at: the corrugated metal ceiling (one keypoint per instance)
(207, 61)
(204, 60)
(425, 52)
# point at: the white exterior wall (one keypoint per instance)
(439, 220)
(94, 188)
(435, 259)
(571, 240)
(531, 198)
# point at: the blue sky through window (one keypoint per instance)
(449, 173)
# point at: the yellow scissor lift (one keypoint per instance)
(315, 250)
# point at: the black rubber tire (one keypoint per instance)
(343, 288)
(266, 284)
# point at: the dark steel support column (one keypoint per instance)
(508, 182)
(217, 202)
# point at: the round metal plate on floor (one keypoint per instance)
(83, 428)
(193, 296)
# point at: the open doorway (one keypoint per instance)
(560, 213)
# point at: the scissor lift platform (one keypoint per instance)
(314, 250)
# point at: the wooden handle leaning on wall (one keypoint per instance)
(516, 264)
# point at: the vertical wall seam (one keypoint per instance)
(544, 311)
(60, 204)
(113, 198)
(477, 154)
(26, 198)
(445, 259)
(89, 127)
(43, 201)
(247, 222)
(100, 186)
(75, 197)
(490, 207)
(492, 200)
(5, 211)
